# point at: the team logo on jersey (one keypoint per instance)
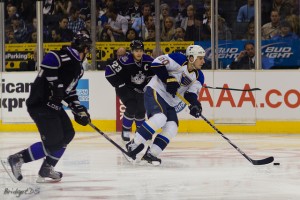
(124, 58)
(185, 80)
(138, 78)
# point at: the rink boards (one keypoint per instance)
(273, 109)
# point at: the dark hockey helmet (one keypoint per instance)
(136, 44)
(81, 41)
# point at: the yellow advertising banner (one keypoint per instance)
(20, 57)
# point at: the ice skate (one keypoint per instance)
(133, 149)
(125, 136)
(15, 161)
(47, 174)
(148, 157)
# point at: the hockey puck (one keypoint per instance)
(276, 163)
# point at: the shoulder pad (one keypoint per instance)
(51, 60)
(147, 58)
(178, 57)
(126, 59)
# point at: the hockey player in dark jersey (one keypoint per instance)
(56, 82)
(129, 75)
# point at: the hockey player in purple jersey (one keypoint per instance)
(174, 73)
(129, 75)
(55, 82)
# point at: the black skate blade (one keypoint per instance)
(5, 165)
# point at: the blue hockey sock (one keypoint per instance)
(145, 132)
(139, 122)
(161, 141)
(53, 158)
(127, 123)
(37, 151)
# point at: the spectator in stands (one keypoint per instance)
(294, 21)
(33, 37)
(139, 23)
(179, 12)
(20, 30)
(66, 34)
(164, 13)
(11, 12)
(84, 13)
(75, 22)
(179, 34)
(224, 32)
(246, 59)
(134, 11)
(120, 52)
(282, 6)
(117, 24)
(168, 29)
(32, 27)
(63, 7)
(272, 28)
(285, 32)
(9, 35)
(249, 35)
(56, 35)
(49, 7)
(246, 12)
(149, 21)
(151, 34)
(191, 25)
(87, 25)
(28, 8)
(131, 34)
(106, 36)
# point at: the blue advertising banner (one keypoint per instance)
(83, 92)
(275, 53)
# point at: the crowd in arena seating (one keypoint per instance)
(123, 20)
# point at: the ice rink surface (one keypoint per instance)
(194, 166)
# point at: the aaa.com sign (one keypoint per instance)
(279, 97)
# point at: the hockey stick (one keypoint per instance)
(106, 137)
(109, 139)
(254, 162)
(235, 89)
(128, 156)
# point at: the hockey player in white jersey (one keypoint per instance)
(174, 73)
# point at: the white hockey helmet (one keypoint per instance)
(195, 51)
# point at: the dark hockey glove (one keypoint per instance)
(57, 95)
(196, 109)
(172, 85)
(81, 114)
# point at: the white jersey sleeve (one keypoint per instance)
(176, 64)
